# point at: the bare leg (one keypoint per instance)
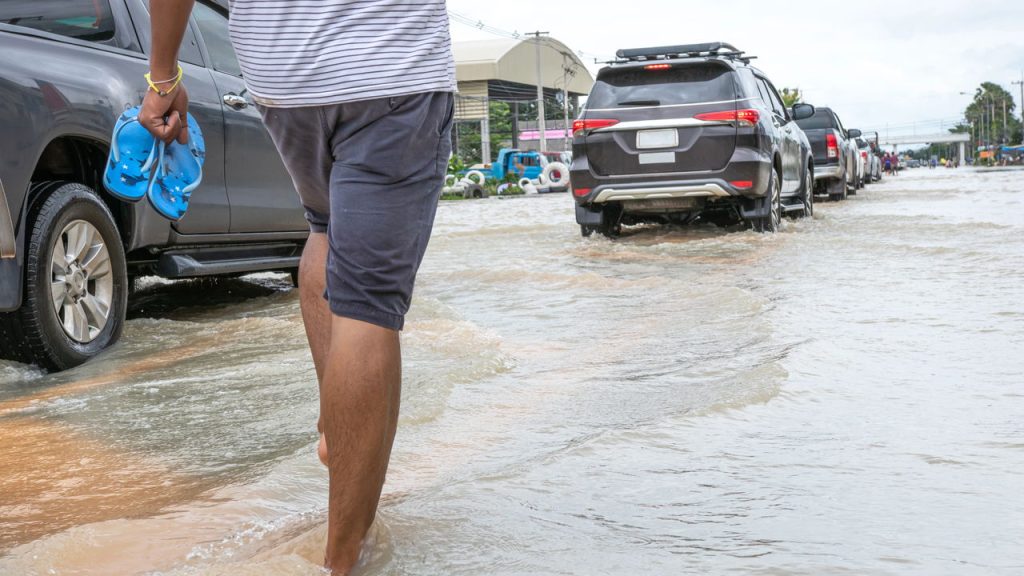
(359, 402)
(316, 316)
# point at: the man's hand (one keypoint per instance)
(166, 117)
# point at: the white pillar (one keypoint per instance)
(541, 122)
(963, 154)
(485, 133)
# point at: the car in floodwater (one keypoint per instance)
(835, 153)
(687, 133)
(871, 165)
(68, 249)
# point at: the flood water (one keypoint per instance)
(844, 397)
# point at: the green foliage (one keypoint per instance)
(455, 164)
(985, 113)
(791, 96)
(468, 134)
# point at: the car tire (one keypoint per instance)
(75, 308)
(771, 222)
(808, 195)
(837, 190)
(611, 221)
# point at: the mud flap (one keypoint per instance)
(586, 216)
(10, 285)
(751, 208)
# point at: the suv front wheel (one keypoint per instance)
(76, 286)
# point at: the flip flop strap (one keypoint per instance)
(117, 134)
(159, 167)
(192, 146)
(151, 159)
(116, 150)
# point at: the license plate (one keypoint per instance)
(657, 158)
(648, 139)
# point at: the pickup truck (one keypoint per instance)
(69, 251)
(836, 158)
(513, 164)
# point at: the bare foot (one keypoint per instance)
(321, 450)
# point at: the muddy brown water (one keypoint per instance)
(844, 397)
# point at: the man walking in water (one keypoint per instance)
(358, 97)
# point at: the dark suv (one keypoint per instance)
(681, 133)
(835, 153)
(68, 249)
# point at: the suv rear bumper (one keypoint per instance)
(10, 272)
(828, 172)
(747, 165)
(620, 193)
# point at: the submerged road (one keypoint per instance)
(844, 397)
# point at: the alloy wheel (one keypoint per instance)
(81, 281)
(808, 194)
(776, 206)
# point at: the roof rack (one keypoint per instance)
(708, 49)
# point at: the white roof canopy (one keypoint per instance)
(515, 60)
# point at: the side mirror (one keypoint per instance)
(802, 111)
(854, 133)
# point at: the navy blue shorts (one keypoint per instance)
(369, 175)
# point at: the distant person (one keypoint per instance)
(887, 161)
(358, 97)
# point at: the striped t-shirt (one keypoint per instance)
(317, 52)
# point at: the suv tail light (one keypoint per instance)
(591, 124)
(833, 145)
(864, 155)
(746, 118)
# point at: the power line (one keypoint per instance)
(480, 25)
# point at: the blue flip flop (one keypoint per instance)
(179, 172)
(133, 153)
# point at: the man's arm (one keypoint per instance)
(166, 116)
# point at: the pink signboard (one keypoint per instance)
(548, 134)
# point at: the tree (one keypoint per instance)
(468, 133)
(791, 96)
(985, 113)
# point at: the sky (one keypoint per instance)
(896, 66)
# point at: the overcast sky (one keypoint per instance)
(876, 63)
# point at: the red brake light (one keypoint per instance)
(658, 67)
(742, 183)
(591, 124)
(833, 145)
(581, 192)
(863, 154)
(741, 117)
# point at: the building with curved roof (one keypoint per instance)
(506, 70)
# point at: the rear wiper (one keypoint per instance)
(641, 103)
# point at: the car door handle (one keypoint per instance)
(235, 101)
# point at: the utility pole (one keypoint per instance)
(541, 124)
(1021, 84)
(565, 111)
(1006, 136)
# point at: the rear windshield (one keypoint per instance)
(82, 19)
(821, 120)
(680, 85)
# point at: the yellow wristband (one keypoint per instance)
(153, 85)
